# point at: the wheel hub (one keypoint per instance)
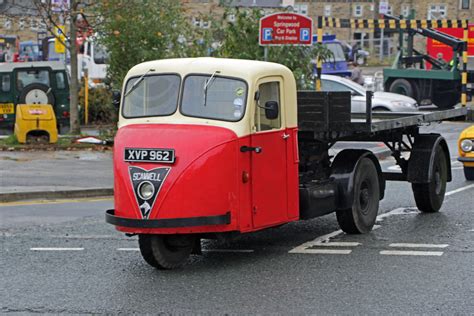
(364, 197)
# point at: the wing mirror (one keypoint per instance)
(116, 96)
(271, 110)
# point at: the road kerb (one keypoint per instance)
(57, 194)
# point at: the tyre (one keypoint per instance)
(360, 218)
(469, 173)
(405, 87)
(166, 251)
(381, 109)
(446, 101)
(430, 196)
(36, 93)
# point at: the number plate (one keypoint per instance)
(7, 108)
(149, 155)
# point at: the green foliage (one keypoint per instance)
(10, 140)
(101, 110)
(140, 30)
(240, 38)
(143, 30)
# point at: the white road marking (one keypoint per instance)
(56, 249)
(467, 187)
(411, 245)
(397, 211)
(339, 244)
(325, 251)
(410, 253)
(325, 238)
(128, 249)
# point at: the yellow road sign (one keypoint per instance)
(59, 40)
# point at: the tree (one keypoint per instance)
(145, 30)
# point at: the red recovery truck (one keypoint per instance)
(211, 148)
(436, 49)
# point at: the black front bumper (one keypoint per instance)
(465, 159)
(166, 223)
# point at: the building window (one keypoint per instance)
(301, 9)
(405, 10)
(437, 11)
(327, 10)
(358, 10)
(465, 4)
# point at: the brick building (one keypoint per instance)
(18, 17)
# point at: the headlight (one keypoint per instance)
(146, 190)
(403, 103)
(466, 145)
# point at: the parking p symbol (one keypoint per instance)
(267, 34)
(304, 35)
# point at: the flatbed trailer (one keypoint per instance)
(324, 118)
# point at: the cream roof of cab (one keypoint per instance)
(249, 70)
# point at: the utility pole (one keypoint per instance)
(73, 88)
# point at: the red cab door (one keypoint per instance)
(269, 159)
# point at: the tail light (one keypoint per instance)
(65, 114)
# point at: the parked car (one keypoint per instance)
(466, 152)
(382, 101)
(34, 83)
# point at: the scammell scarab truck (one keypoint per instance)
(210, 148)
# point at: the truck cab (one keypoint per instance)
(210, 126)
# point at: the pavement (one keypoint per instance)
(54, 174)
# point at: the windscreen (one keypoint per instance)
(214, 97)
(26, 77)
(151, 96)
(101, 56)
(336, 49)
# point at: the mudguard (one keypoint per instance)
(342, 171)
(420, 165)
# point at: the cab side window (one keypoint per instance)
(5, 83)
(269, 91)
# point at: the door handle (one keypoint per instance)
(285, 136)
(257, 150)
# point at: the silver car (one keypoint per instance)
(382, 101)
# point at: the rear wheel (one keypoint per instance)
(166, 251)
(446, 100)
(430, 196)
(360, 218)
(469, 173)
(405, 87)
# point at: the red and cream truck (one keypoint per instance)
(211, 148)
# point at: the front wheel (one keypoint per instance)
(166, 251)
(469, 173)
(430, 196)
(360, 218)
